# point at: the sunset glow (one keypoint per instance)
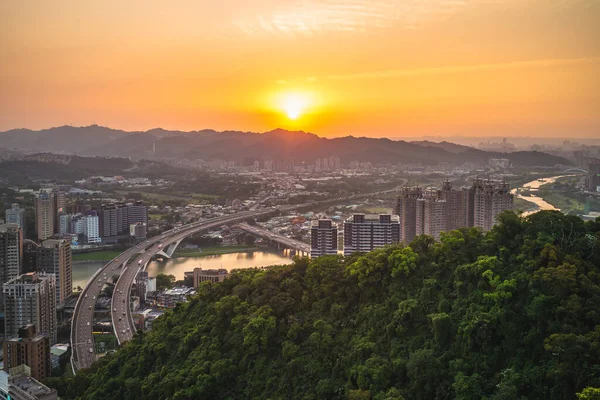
(356, 67)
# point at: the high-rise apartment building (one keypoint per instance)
(16, 215)
(431, 216)
(593, 179)
(60, 204)
(11, 252)
(406, 209)
(364, 233)
(455, 206)
(430, 212)
(323, 238)
(28, 348)
(137, 213)
(490, 198)
(91, 228)
(30, 299)
(30, 253)
(54, 257)
(45, 218)
(115, 219)
(107, 216)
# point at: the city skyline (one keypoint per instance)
(443, 68)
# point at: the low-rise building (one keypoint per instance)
(170, 297)
(18, 384)
(209, 275)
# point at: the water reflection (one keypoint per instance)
(533, 186)
(177, 266)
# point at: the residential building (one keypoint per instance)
(431, 216)
(91, 228)
(107, 220)
(29, 348)
(593, 167)
(30, 252)
(406, 209)
(323, 238)
(137, 213)
(11, 252)
(55, 257)
(141, 285)
(170, 297)
(490, 198)
(79, 207)
(65, 223)
(455, 206)
(30, 299)
(18, 384)
(16, 215)
(45, 208)
(209, 275)
(365, 233)
(138, 230)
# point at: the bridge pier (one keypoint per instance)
(168, 251)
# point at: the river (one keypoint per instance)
(533, 186)
(177, 266)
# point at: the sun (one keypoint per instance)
(294, 104)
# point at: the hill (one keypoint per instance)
(512, 314)
(66, 168)
(246, 147)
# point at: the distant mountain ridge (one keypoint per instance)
(244, 147)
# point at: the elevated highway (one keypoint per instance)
(277, 238)
(82, 340)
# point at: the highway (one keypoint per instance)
(284, 240)
(120, 310)
(82, 340)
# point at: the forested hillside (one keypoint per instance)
(513, 314)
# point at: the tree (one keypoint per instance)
(249, 240)
(164, 281)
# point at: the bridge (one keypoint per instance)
(82, 339)
(287, 242)
(575, 170)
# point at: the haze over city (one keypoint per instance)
(367, 68)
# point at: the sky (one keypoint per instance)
(381, 68)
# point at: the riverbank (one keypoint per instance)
(108, 255)
(537, 197)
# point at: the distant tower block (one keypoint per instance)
(154, 147)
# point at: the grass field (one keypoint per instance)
(105, 255)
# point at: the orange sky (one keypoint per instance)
(399, 68)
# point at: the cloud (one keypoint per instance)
(295, 17)
(460, 69)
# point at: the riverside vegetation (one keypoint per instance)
(511, 314)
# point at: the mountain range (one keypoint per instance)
(245, 147)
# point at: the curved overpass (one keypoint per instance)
(82, 340)
(120, 310)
